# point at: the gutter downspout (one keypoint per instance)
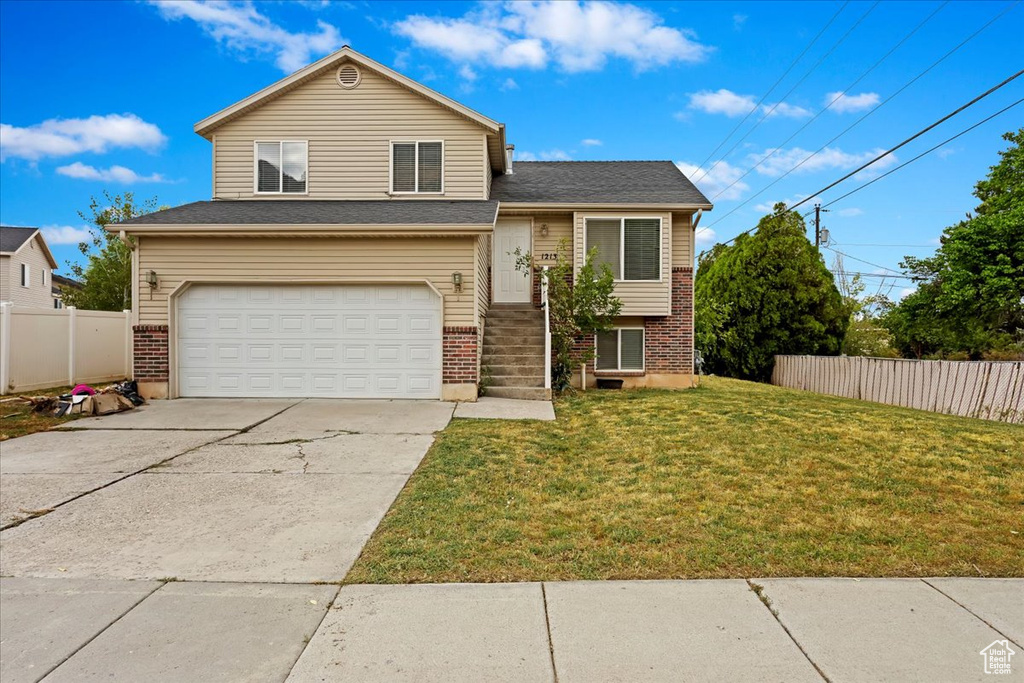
(127, 242)
(696, 221)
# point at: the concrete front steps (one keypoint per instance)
(513, 353)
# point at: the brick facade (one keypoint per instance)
(150, 353)
(669, 340)
(460, 355)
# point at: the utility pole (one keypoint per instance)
(817, 224)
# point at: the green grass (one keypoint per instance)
(732, 479)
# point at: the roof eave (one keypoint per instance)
(207, 125)
(613, 206)
(308, 229)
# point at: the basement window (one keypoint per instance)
(621, 349)
(281, 167)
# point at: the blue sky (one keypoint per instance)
(103, 95)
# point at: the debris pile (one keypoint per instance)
(85, 400)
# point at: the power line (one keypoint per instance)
(926, 152)
(797, 85)
(855, 123)
(881, 275)
(834, 100)
(774, 85)
(914, 137)
(890, 150)
(843, 253)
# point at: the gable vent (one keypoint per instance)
(348, 76)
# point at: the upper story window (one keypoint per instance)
(630, 246)
(281, 167)
(24, 275)
(417, 167)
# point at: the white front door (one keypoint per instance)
(510, 285)
(294, 341)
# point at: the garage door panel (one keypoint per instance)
(324, 341)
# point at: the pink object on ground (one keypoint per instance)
(83, 389)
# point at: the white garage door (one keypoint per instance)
(373, 341)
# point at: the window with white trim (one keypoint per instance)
(621, 349)
(417, 167)
(24, 275)
(631, 247)
(281, 167)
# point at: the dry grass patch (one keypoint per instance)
(733, 479)
(17, 418)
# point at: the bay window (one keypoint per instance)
(282, 167)
(631, 247)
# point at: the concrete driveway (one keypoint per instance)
(210, 490)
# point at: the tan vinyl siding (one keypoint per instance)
(559, 228)
(177, 259)
(483, 262)
(638, 298)
(37, 294)
(682, 241)
(349, 132)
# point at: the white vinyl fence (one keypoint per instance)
(41, 348)
(991, 390)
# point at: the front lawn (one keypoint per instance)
(733, 479)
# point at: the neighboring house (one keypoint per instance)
(26, 267)
(361, 239)
(59, 283)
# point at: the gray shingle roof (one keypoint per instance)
(597, 182)
(12, 238)
(324, 212)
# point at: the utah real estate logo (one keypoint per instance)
(997, 657)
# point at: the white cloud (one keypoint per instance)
(769, 206)
(705, 236)
(725, 101)
(591, 142)
(63, 137)
(577, 36)
(509, 84)
(850, 103)
(945, 152)
(466, 73)
(241, 27)
(116, 174)
(907, 291)
(720, 177)
(738, 20)
(549, 155)
(782, 160)
(850, 212)
(66, 234)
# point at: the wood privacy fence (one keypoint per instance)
(991, 390)
(42, 348)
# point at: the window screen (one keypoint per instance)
(643, 249)
(430, 167)
(631, 343)
(403, 167)
(268, 166)
(604, 234)
(608, 350)
(293, 166)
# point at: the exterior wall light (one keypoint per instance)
(151, 279)
(457, 281)
(543, 229)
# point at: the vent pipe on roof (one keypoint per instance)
(509, 152)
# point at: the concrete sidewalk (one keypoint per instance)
(735, 630)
